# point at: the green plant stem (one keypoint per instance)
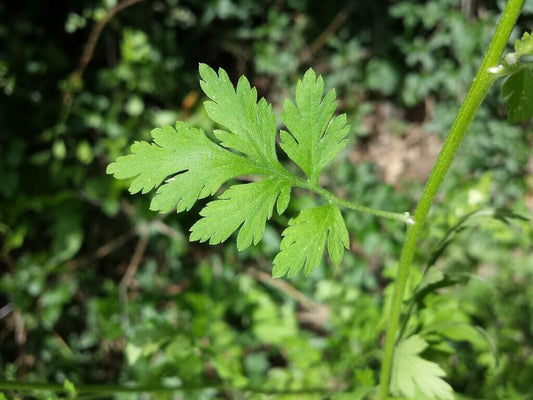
(477, 92)
(334, 199)
(403, 217)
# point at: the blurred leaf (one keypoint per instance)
(84, 152)
(517, 92)
(414, 377)
(524, 46)
(472, 219)
(69, 388)
(381, 76)
(67, 233)
(134, 106)
(432, 281)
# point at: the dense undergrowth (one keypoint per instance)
(95, 289)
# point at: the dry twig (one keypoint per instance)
(313, 313)
(339, 19)
(87, 55)
(127, 279)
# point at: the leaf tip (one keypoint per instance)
(277, 271)
(110, 169)
(204, 68)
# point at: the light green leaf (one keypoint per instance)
(307, 236)
(524, 46)
(193, 166)
(517, 93)
(414, 377)
(314, 136)
(247, 206)
(185, 165)
(251, 125)
(459, 331)
(69, 388)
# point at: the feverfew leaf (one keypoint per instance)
(524, 46)
(414, 377)
(186, 165)
(517, 93)
(194, 165)
(315, 137)
(306, 237)
(247, 206)
(251, 125)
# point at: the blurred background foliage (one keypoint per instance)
(97, 289)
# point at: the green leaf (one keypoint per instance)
(458, 331)
(251, 125)
(192, 165)
(306, 237)
(524, 46)
(414, 377)
(473, 219)
(185, 165)
(517, 93)
(315, 137)
(70, 389)
(432, 281)
(247, 206)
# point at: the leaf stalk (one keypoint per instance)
(334, 199)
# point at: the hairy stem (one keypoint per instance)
(403, 217)
(477, 92)
(334, 199)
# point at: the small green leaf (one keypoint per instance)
(69, 388)
(194, 165)
(524, 46)
(517, 93)
(458, 331)
(414, 377)
(307, 236)
(433, 280)
(251, 125)
(314, 136)
(247, 206)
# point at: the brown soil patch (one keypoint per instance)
(401, 150)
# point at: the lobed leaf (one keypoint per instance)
(314, 136)
(251, 125)
(192, 165)
(247, 206)
(185, 165)
(414, 377)
(307, 236)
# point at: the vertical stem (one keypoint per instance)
(477, 92)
